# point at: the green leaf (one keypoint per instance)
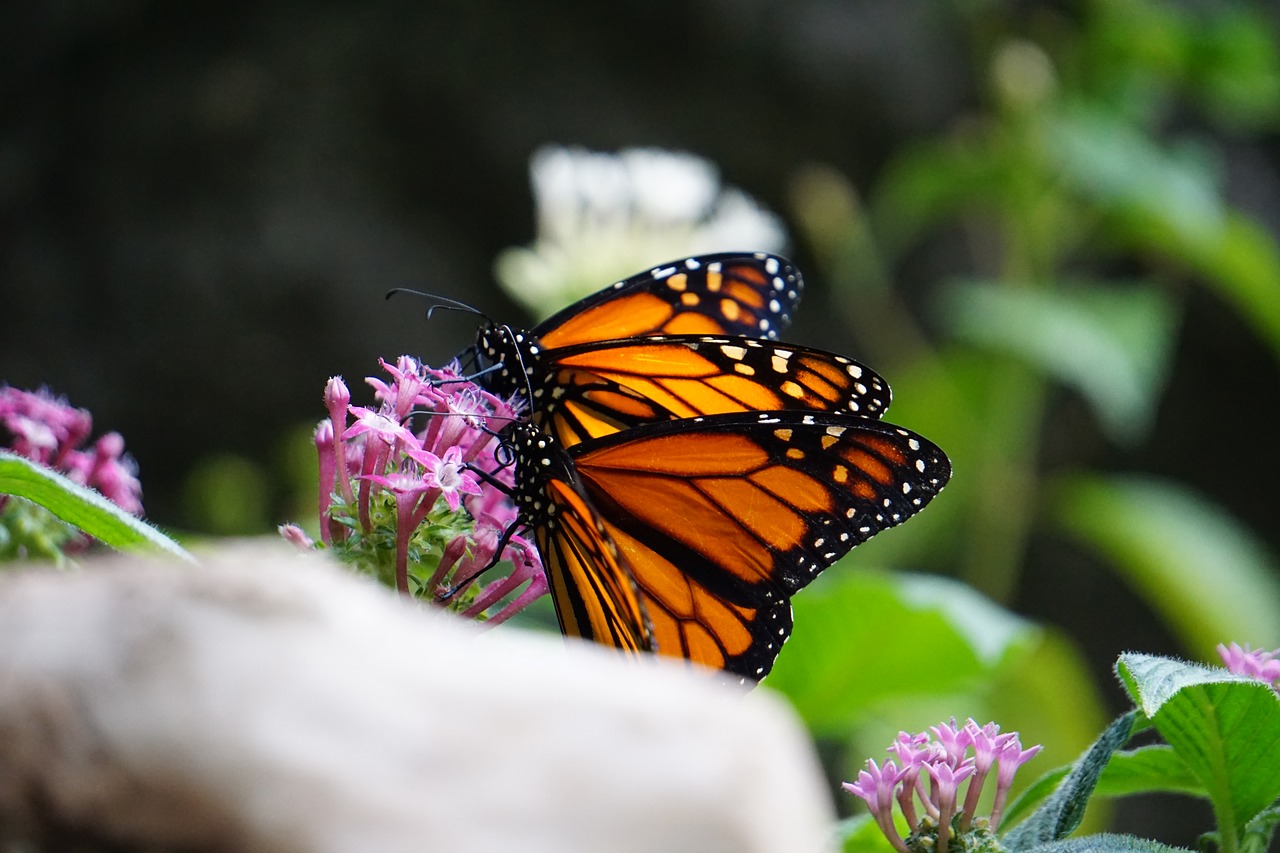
(861, 834)
(1109, 843)
(1148, 769)
(1111, 343)
(1237, 258)
(1207, 575)
(1235, 66)
(1242, 263)
(1258, 832)
(1226, 727)
(1145, 770)
(80, 506)
(1112, 163)
(864, 637)
(1062, 812)
(928, 183)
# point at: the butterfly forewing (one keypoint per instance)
(732, 293)
(682, 339)
(592, 390)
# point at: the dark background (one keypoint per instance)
(200, 209)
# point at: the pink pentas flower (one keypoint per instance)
(447, 473)
(952, 738)
(295, 534)
(1255, 663)
(910, 748)
(1012, 756)
(403, 498)
(956, 759)
(527, 572)
(115, 474)
(380, 425)
(945, 778)
(414, 496)
(46, 429)
(42, 427)
(877, 786)
(402, 392)
(988, 746)
(402, 485)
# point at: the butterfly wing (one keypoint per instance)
(594, 593)
(591, 390)
(732, 293)
(721, 519)
(693, 621)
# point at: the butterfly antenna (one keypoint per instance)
(440, 303)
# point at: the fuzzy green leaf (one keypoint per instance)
(1063, 810)
(80, 506)
(1144, 770)
(1109, 843)
(1226, 727)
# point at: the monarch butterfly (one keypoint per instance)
(673, 342)
(688, 537)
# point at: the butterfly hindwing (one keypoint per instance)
(694, 622)
(721, 519)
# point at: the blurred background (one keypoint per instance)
(1051, 225)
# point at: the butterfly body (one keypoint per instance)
(593, 590)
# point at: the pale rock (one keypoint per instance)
(267, 702)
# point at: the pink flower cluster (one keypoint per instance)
(386, 486)
(1254, 663)
(955, 754)
(47, 430)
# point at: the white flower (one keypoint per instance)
(605, 216)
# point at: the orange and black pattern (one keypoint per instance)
(594, 592)
(592, 390)
(732, 293)
(683, 473)
(628, 355)
(719, 520)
